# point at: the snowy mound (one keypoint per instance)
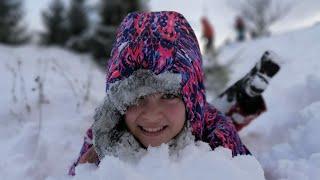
(194, 162)
(299, 158)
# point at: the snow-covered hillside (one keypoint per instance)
(48, 97)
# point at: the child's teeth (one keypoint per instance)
(152, 129)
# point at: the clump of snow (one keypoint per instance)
(299, 158)
(193, 162)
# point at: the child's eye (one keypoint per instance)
(169, 96)
(141, 100)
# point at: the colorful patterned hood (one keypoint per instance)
(153, 52)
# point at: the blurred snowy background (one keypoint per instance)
(52, 55)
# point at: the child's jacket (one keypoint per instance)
(156, 52)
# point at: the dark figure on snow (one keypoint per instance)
(207, 34)
(240, 28)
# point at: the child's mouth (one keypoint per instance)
(152, 131)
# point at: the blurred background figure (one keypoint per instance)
(207, 34)
(240, 28)
(257, 16)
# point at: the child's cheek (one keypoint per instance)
(132, 114)
(176, 108)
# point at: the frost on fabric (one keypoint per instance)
(276, 58)
(194, 162)
(259, 83)
(120, 95)
(125, 92)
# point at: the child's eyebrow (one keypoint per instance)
(154, 95)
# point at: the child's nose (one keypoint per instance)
(152, 109)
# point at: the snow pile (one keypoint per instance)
(194, 162)
(296, 152)
(299, 158)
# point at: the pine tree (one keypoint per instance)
(11, 29)
(55, 23)
(78, 24)
(111, 14)
(77, 17)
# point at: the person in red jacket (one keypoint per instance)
(208, 34)
(240, 28)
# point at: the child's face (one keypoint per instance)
(156, 119)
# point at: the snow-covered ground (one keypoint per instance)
(41, 134)
(48, 97)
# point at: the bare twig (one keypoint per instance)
(82, 93)
(13, 88)
(88, 84)
(68, 80)
(22, 86)
(40, 81)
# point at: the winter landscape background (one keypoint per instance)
(48, 97)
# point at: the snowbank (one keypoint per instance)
(48, 96)
(299, 158)
(194, 162)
